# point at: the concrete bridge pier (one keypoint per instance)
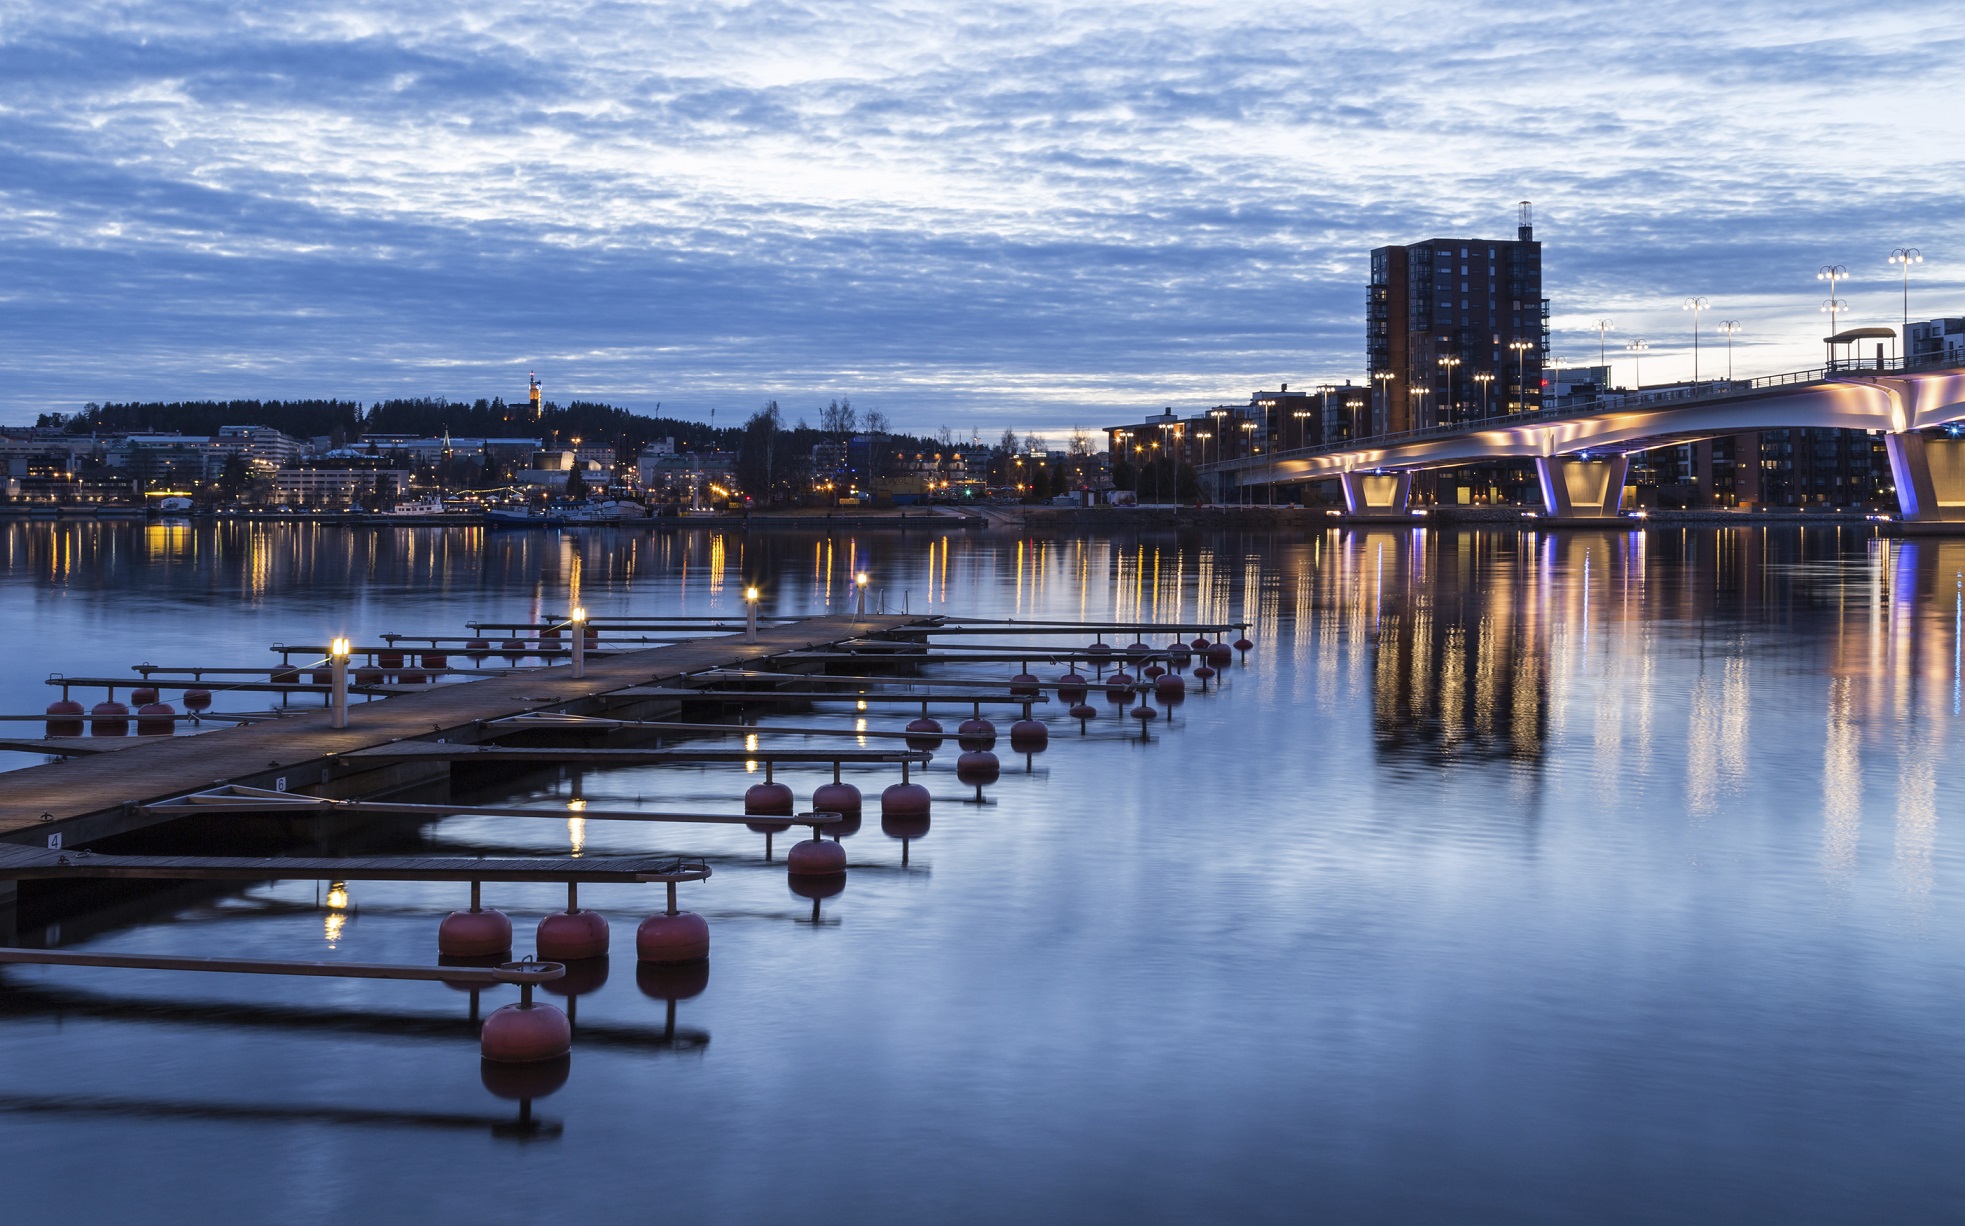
(1930, 476)
(1386, 494)
(1574, 488)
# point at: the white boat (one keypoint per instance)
(432, 505)
(602, 511)
(173, 505)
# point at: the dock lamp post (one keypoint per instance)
(860, 583)
(1695, 305)
(1832, 273)
(579, 620)
(750, 615)
(338, 683)
(1906, 256)
(1637, 349)
(1729, 328)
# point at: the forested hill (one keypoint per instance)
(344, 420)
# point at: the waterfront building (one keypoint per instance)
(1937, 342)
(1440, 313)
(333, 485)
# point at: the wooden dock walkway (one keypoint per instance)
(63, 804)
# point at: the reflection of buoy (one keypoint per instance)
(523, 1082)
(571, 936)
(843, 799)
(526, 1033)
(497, 959)
(681, 937)
(672, 981)
(155, 719)
(976, 734)
(904, 800)
(110, 718)
(1072, 687)
(815, 858)
(977, 768)
(816, 886)
(769, 799)
(476, 933)
(194, 700)
(1029, 735)
(930, 734)
(584, 976)
(65, 718)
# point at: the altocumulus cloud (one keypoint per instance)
(974, 214)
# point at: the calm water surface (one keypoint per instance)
(1516, 878)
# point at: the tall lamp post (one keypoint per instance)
(1521, 349)
(1448, 364)
(1383, 379)
(1905, 257)
(1204, 436)
(1637, 350)
(1248, 447)
(1832, 273)
(1729, 328)
(1486, 379)
(1603, 327)
(1695, 305)
(1418, 397)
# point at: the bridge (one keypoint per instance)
(1582, 451)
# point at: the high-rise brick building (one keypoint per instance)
(1456, 329)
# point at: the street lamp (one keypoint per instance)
(1695, 305)
(1484, 378)
(1448, 364)
(1833, 273)
(1637, 350)
(1248, 446)
(1521, 349)
(1603, 349)
(1906, 256)
(1417, 395)
(338, 651)
(1731, 328)
(1384, 377)
(750, 615)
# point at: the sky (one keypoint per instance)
(978, 215)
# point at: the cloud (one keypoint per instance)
(992, 214)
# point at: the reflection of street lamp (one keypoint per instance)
(1906, 256)
(579, 619)
(1695, 305)
(1637, 349)
(1729, 328)
(860, 582)
(338, 683)
(750, 615)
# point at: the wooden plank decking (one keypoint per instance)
(86, 798)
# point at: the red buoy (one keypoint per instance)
(65, 718)
(1203, 671)
(1072, 687)
(843, 799)
(977, 767)
(525, 1033)
(1099, 651)
(478, 649)
(571, 936)
(323, 676)
(110, 718)
(1152, 672)
(143, 694)
(769, 800)
(514, 650)
(286, 676)
(1136, 650)
(976, 734)
(1243, 645)
(391, 660)
(1084, 711)
(904, 800)
(412, 676)
(197, 700)
(1200, 644)
(1170, 686)
(815, 858)
(435, 659)
(682, 937)
(1024, 684)
(1142, 713)
(1220, 653)
(474, 934)
(156, 719)
(368, 676)
(1029, 735)
(930, 734)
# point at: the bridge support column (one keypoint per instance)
(1581, 489)
(1377, 493)
(1930, 476)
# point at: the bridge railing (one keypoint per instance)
(1570, 407)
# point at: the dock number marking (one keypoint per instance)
(54, 842)
(280, 784)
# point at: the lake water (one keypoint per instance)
(1514, 878)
